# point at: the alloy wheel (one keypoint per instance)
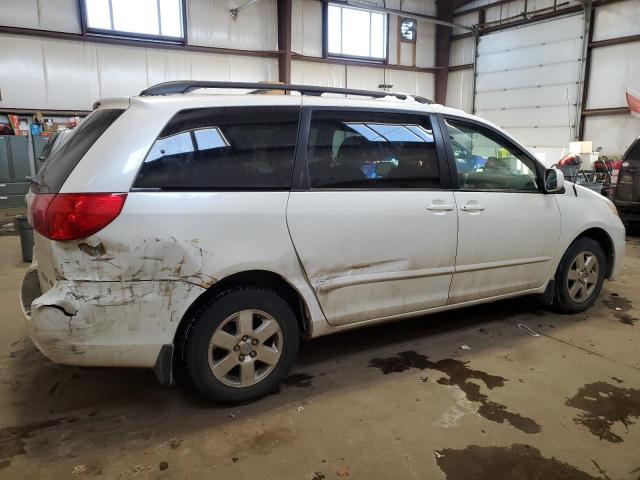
(245, 348)
(583, 275)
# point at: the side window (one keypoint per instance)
(371, 150)
(223, 148)
(486, 161)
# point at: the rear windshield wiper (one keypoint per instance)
(34, 181)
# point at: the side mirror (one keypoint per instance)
(553, 180)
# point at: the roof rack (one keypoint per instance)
(186, 86)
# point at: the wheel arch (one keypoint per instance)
(249, 278)
(605, 241)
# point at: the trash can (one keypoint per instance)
(26, 237)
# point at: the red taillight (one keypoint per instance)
(71, 216)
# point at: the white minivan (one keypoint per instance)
(214, 232)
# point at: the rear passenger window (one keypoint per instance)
(371, 150)
(228, 148)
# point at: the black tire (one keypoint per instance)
(206, 323)
(562, 298)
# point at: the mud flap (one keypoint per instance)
(164, 365)
(547, 296)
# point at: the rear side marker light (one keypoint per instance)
(72, 216)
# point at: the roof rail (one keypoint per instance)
(186, 86)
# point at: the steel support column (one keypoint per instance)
(285, 8)
(443, 48)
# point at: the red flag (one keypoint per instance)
(633, 100)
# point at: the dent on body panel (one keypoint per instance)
(148, 259)
(325, 280)
(75, 315)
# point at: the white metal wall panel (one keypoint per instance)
(528, 81)
(424, 7)
(415, 83)
(56, 15)
(164, 65)
(306, 27)
(504, 11)
(210, 24)
(23, 76)
(534, 5)
(306, 34)
(393, 39)
(122, 70)
(460, 90)
(426, 45)
(468, 20)
(310, 73)
(618, 19)
(612, 69)
(365, 78)
(71, 75)
(613, 133)
(462, 51)
(324, 74)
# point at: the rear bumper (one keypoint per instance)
(106, 324)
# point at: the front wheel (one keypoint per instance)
(242, 345)
(580, 276)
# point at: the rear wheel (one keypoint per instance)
(580, 276)
(242, 345)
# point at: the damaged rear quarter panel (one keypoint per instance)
(109, 323)
(131, 283)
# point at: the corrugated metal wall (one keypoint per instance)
(612, 69)
(42, 73)
(307, 40)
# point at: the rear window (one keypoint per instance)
(62, 162)
(224, 148)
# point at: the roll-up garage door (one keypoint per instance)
(528, 82)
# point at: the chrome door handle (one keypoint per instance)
(472, 208)
(439, 207)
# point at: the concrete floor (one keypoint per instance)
(407, 400)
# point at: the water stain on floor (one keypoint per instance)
(621, 307)
(517, 462)
(603, 405)
(302, 380)
(460, 375)
(12, 439)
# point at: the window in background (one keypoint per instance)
(353, 32)
(150, 18)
